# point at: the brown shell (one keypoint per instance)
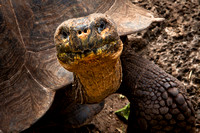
(30, 72)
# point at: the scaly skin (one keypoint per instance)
(158, 101)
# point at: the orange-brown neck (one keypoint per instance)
(99, 79)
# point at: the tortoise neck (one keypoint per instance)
(97, 82)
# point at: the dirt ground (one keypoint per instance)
(106, 121)
(173, 45)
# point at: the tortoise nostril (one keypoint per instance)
(85, 31)
(79, 32)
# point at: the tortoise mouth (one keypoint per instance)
(69, 57)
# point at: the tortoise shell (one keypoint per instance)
(30, 73)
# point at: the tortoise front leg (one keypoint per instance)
(159, 102)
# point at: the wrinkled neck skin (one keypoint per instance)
(98, 81)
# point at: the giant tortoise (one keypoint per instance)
(92, 48)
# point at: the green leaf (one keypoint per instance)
(124, 112)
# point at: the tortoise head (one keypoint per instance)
(86, 40)
(90, 47)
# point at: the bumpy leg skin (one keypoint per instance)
(81, 114)
(159, 102)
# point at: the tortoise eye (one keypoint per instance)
(64, 34)
(102, 26)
